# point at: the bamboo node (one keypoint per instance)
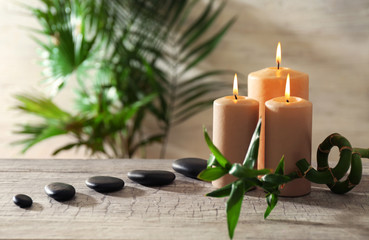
(357, 153)
(332, 136)
(334, 177)
(350, 184)
(323, 150)
(345, 147)
(322, 168)
(310, 167)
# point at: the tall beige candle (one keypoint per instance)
(269, 83)
(234, 122)
(288, 128)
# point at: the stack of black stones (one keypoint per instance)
(189, 167)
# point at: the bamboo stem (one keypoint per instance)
(345, 148)
(349, 157)
(364, 152)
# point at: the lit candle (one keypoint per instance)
(269, 83)
(234, 121)
(288, 124)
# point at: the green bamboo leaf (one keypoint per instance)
(276, 179)
(272, 200)
(269, 187)
(249, 183)
(280, 167)
(212, 161)
(241, 171)
(233, 206)
(252, 153)
(221, 192)
(211, 174)
(223, 162)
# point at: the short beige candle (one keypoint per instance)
(288, 132)
(234, 122)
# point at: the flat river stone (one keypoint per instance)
(22, 200)
(190, 167)
(60, 191)
(152, 177)
(105, 184)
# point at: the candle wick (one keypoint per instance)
(235, 96)
(278, 65)
(287, 100)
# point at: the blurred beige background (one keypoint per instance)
(329, 40)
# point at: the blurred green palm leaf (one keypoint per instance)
(100, 132)
(188, 94)
(131, 59)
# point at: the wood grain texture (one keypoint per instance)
(176, 211)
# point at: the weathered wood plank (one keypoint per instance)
(177, 211)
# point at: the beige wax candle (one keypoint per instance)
(269, 83)
(234, 122)
(288, 132)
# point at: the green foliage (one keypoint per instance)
(272, 200)
(248, 177)
(221, 160)
(187, 95)
(212, 173)
(253, 150)
(100, 132)
(132, 59)
(234, 204)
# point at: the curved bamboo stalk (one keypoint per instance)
(331, 176)
(364, 152)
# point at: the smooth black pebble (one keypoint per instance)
(190, 167)
(22, 200)
(152, 177)
(60, 191)
(105, 184)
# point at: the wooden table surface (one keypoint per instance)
(176, 211)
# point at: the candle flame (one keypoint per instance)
(235, 86)
(278, 57)
(287, 92)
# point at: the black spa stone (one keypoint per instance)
(105, 184)
(152, 177)
(190, 167)
(60, 191)
(22, 200)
